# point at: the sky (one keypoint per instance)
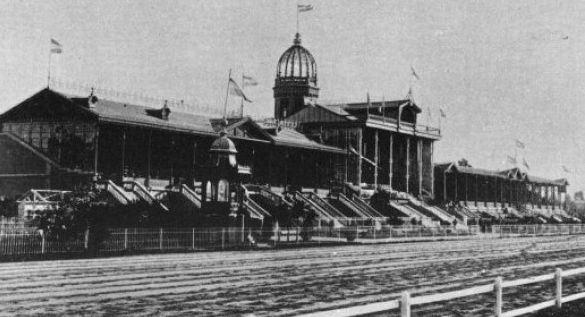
(501, 70)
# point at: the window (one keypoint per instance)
(222, 190)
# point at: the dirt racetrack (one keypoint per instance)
(290, 282)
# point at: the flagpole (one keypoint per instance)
(49, 71)
(297, 8)
(242, 101)
(226, 95)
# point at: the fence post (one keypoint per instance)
(405, 304)
(559, 287)
(222, 238)
(498, 293)
(86, 239)
(160, 240)
(42, 242)
(125, 238)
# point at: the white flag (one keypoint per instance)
(304, 7)
(56, 47)
(235, 90)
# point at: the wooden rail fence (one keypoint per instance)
(405, 303)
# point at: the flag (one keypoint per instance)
(304, 7)
(235, 90)
(525, 163)
(443, 114)
(520, 144)
(56, 47)
(249, 81)
(565, 169)
(511, 160)
(414, 74)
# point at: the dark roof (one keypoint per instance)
(126, 113)
(501, 174)
(381, 104)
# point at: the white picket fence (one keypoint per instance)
(538, 230)
(406, 302)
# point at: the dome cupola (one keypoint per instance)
(297, 63)
(296, 79)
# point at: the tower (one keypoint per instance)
(296, 78)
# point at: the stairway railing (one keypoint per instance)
(144, 194)
(191, 195)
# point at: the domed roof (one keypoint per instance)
(223, 145)
(297, 63)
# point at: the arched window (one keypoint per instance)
(223, 190)
(208, 191)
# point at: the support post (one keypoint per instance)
(160, 239)
(360, 152)
(376, 157)
(498, 290)
(125, 238)
(193, 239)
(407, 164)
(559, 287)
(419, 161)
(123, 155)
(96, 138)
(222, 238)
(86, 239)
(405, 304)
(148, 160)
(390, 159)
(43, 242)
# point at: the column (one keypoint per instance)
(148, 160)
(456, 198)
(466, 187)
(407, 163)
(419, 165)
(432, 170)
(194, 165)
(476, 179)
(96, 138)
(360, 152)
(123, 154)
(445, 185)
(376, 157)
(391, 159)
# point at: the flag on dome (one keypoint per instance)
(304, 7)
(525, 163)
(56, 47)
(511, 160)
(235, 90)
(248, 81)
(414, 74)
(443, 114)
(565, 169)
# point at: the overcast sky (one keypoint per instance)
(501, 70)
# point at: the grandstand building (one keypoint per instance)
(57, 140)
(490, 193)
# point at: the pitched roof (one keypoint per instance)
(126, 113)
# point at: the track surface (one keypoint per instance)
(289, 282)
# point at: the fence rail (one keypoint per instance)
(27, 241)
(538, 230)
(406, 302)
